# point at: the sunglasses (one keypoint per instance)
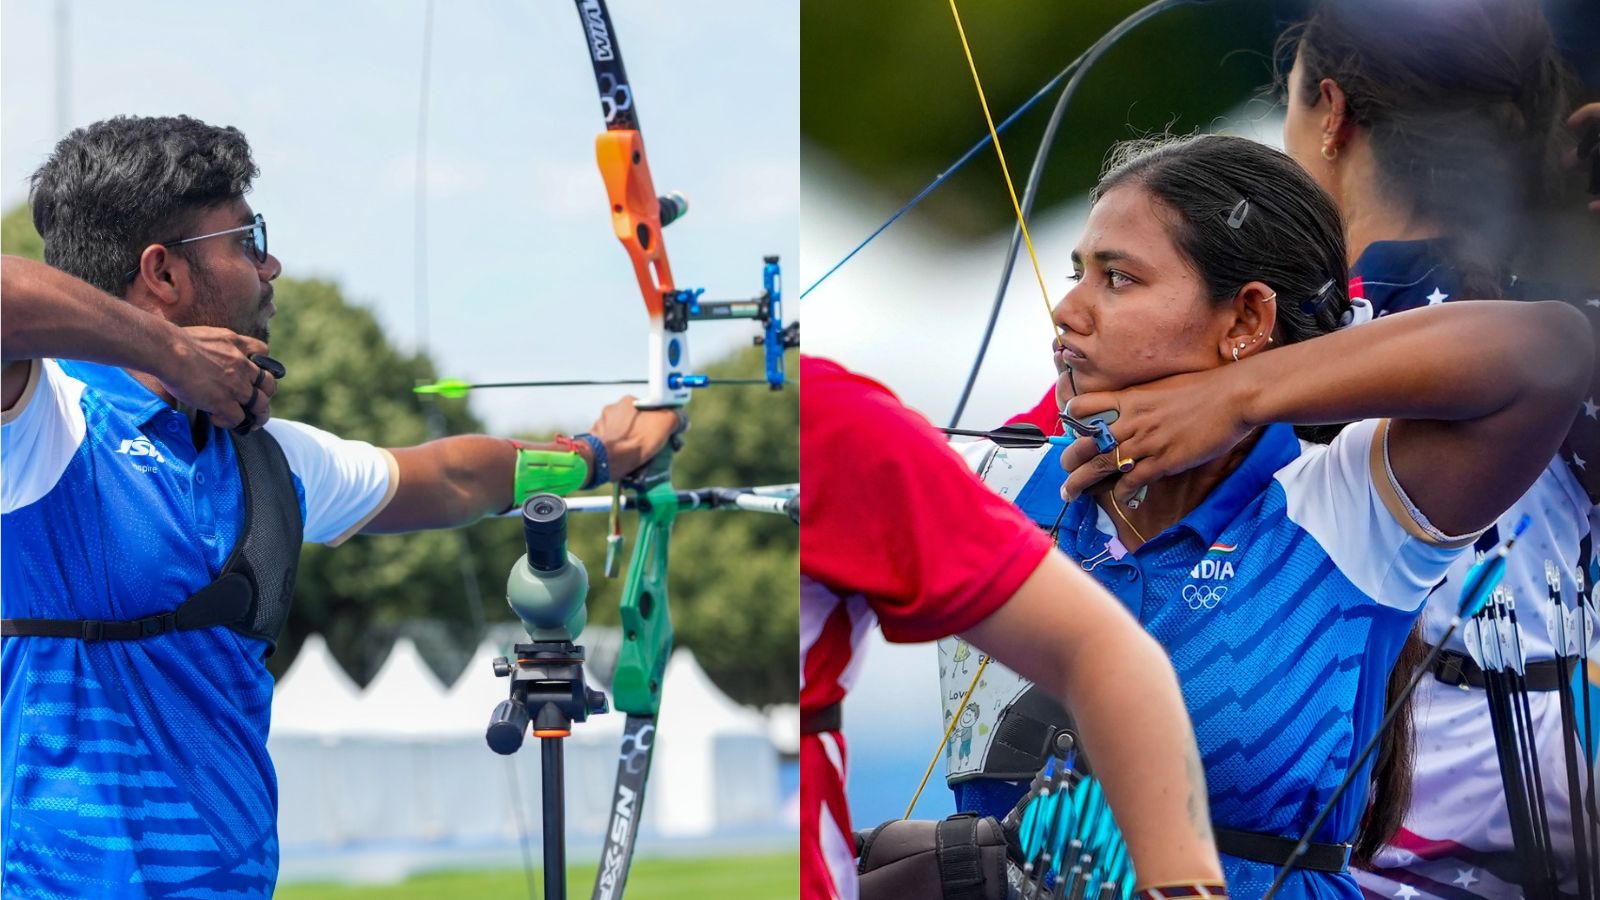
(256, 242)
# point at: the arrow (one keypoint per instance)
(455, 387)
(1481, 581)
(1021, 434)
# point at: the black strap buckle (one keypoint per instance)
(92, 630)
(158, 624)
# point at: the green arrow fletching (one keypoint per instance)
(445, 387)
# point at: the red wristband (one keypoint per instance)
(1195, 890)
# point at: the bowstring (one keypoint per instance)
(994, 138)
(1011, 190)
(983, 663)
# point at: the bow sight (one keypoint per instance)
(683, 307)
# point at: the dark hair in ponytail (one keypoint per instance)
(1245, 212)
(1464, 102)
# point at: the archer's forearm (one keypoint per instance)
(452, 481)
(1454, 362)
(1065, 633)
(45, 312)
(1136, 731)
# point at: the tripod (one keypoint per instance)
(547, 588)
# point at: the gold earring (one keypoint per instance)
(1330, 152)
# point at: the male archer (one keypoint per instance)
(152, 517)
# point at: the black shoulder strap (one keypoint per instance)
(268, 550)
(253, 592)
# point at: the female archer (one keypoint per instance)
(1211, 290)
(1439, 164)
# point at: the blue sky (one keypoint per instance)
(524, 277)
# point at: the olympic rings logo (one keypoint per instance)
(1204, 596)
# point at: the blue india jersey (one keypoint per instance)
(1283, 600)
(140, 768)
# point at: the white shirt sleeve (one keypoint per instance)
(347, 483)
(1346, 497)
(40, 434)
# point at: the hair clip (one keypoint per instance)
(1321, 297)
(1240, 210)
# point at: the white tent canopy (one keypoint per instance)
(723, 769)
(315, 696)
(405, 698)
(404, 764)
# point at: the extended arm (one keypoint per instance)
(894, 515)
(1062, 631)
(458, 480)
(450, 481)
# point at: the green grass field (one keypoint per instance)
(747, 877)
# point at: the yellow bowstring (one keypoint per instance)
(994, 135)
(1049, 309)
(982, 663)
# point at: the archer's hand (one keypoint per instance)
(211, 370)
(1164, 427)
(1583, 122)
(631, 435)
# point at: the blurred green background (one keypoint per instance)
(887, 90)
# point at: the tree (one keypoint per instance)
(17, 234)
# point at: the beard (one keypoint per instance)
(211, 307)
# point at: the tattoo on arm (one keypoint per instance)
(1199, 809)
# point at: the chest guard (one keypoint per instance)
(252, 593)
(1007, 727)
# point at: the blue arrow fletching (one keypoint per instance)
(1027, 832)
(1051, 835)
(1486, 573)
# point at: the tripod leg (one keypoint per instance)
(555, 825)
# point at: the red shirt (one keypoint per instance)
(1046, 414)
(893, 529)
(890, 512)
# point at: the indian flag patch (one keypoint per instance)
(1212, 567)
